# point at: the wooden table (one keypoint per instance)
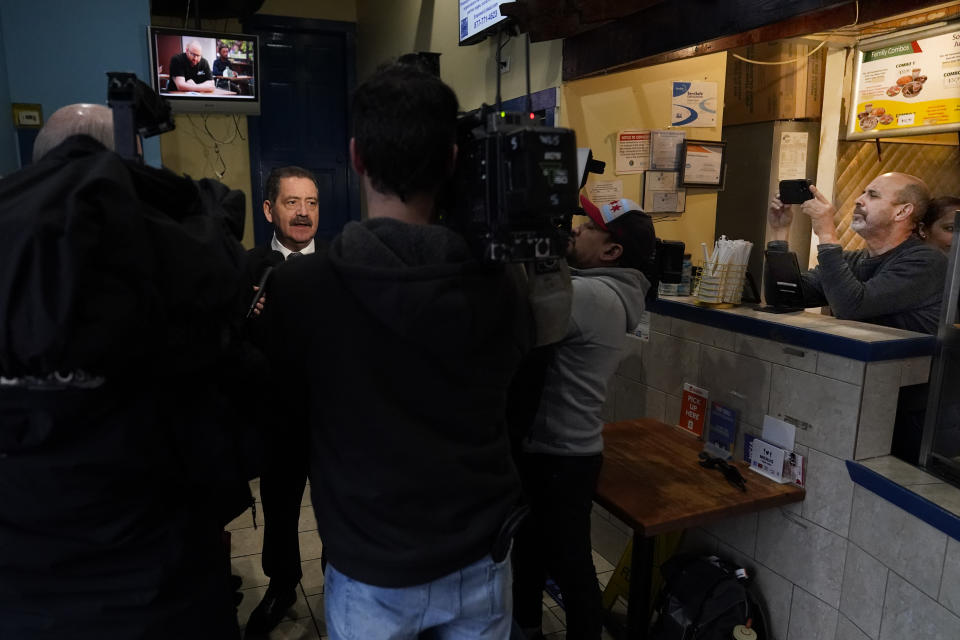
(652, 480)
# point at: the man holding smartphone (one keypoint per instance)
(897, 280)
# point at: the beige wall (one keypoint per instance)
(597, 108)
(387, 30)
(191, 148)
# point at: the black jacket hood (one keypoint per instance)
(104, 261)
(422, 282)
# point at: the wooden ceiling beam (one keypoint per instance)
(594, 11)
(553, 19)
(664, 32)
(545, 19)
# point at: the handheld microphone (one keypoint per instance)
(261, 286)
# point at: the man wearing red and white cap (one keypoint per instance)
(562, 450)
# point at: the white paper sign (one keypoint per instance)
(767, 460)
(776, 431)
(793, 155)
(605, 191)
(633, 151)
(694, 104)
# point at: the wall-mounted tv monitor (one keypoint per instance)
(477, 19)
(201, 71)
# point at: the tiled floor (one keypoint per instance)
(305, 621)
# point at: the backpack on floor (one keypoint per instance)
(704, 598)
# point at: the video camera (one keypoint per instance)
(137, 109)
(515, 186)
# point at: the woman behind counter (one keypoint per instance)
(936, 228)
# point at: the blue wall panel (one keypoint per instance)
(58, 52)
(8, 144)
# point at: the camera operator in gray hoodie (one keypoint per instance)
(560, 454)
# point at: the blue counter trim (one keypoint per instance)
(798, 336)
(934, 515)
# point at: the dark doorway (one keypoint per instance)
(307, 70)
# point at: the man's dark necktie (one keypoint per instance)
(294, 254)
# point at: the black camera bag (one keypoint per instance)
(702, 599)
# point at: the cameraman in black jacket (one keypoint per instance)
(118, 467)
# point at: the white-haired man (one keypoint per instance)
(118, 285)
(94, 120)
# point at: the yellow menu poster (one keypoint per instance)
(907, 86)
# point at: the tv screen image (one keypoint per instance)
(477, 18)
(205, 71)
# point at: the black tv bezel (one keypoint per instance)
(204, 104)
(484, 33)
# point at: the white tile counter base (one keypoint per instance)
(842, 407)
(844, 564)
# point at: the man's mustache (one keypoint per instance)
(302, 221)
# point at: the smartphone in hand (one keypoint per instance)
(795, 191)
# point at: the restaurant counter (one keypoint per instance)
(836, 380)
(848, 557)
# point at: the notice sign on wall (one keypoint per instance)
(907, 86)
(605, 190)
(693, 408)
(633, 151)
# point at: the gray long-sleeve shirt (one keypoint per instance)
(607, 303)
(901, 288)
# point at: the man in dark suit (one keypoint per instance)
(291, 205)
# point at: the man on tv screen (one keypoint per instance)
(189, 71)
(221, 67)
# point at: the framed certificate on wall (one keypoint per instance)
(703, 163)
(662, 192)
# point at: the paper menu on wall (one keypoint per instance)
(633, 151)
(793, 155)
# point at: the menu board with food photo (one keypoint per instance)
(907, 86)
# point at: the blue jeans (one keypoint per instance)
(470, 604)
